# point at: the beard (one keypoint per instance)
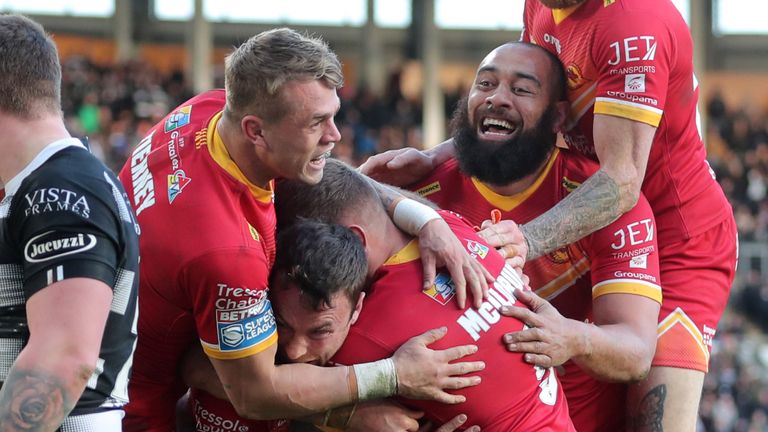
(500, 163)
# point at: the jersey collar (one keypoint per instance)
(507, 203)
(51, 149)
(219, 153)
(408, 253)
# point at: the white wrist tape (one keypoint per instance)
(376, 380)
(411, 216)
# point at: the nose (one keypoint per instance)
(500, 98)
(333, 134)
(295, 348)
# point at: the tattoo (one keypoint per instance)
(32, 401)
(387, 195)
(651, 412)
(593, 205)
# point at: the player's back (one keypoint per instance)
(514, 395)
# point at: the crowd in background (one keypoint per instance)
(114, 107)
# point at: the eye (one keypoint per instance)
(520, 91)
(484, 83)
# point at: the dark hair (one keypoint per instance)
(321, 260)
(30, 72)
(341, 189)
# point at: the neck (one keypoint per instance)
(243, 153)
(23, 139)
(520, 185)
(385, 239)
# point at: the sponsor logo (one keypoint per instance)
(208, 421)
(173, 150)
(632, 49)
(607, 3)
(559, 256)
(633, 70)
(253, 231)
(575, 78)
(634, 234)
(176, 183)
(569, 185)
(54, 199)
(442, 291)
(429, 189)
(238, 298)
(548, 38)
(633, 98)
(634, 83)
(54, 244)
(178, 118)
(633, 275)
(476, 249)
(639, 262)
(708, 333)
(633, 253)
(141, 177)
(245, 327)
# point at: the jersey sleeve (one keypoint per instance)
(624, 255)
(67, 228)
(525, 35)
(634, 55)
(232, 313)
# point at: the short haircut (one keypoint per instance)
(255, 72)
(341, 190)
(321, 260)
(30, 72)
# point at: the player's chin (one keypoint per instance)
(312, 173)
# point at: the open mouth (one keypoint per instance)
(321, 159)
(498, 127)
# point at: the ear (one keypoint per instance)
(252, 128)
(561, 115)
(360, 232)
(358, 308)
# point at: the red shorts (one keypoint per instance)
(696, 278)
(216, 415)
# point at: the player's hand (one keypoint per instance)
(550, 340)
(452, 425)
(439, 247)
(385, 416)
(508, 239)
(398, 167)
(423, 373)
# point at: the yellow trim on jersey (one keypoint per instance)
(220, 154)
(629, 110)
(408, 253)
(560, 14)
(565, 280)
(508, 203)
(678, 316)
(214, 352)
(627, 286)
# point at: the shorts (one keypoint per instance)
(217, 415)
(696, 278)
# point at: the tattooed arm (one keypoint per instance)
(622, 147)
(66, 323)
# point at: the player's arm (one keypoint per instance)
(259, 389)
(618, 346)
(622, 147)
(66, 323)
(408, 165)
(437, 244)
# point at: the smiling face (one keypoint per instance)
(509, 122)
(312, 335)
(298, 143)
